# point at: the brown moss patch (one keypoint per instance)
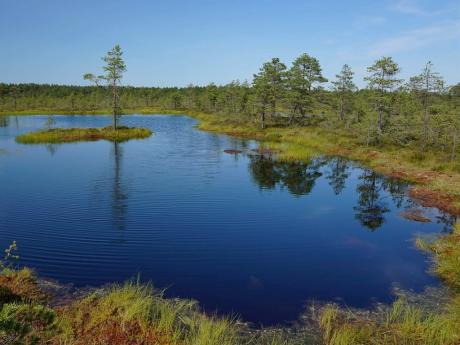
(20, 285)
(401, 175)
(115, 333)
(232, 151)
(431, 198)
(415, 215)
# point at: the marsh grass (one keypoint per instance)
(401, 324)
(20, 286)
(24, 319)
(65, 135)
(128, 314)
(137, 314)
(446, 256)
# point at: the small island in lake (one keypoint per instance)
(67, 135)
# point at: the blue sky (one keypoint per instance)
(174, 43)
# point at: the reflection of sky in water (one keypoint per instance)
(240, 233)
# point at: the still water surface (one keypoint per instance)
(240, 233)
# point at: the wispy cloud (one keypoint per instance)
(413, 7)
(363, 22)
(409, 7)
(416, 39)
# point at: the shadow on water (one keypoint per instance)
(371, 207)
(299, 179)
(337, 175)
(119, 194)
(4, 121)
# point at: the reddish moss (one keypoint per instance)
(431, 198)
(415, 215)
(232, 151)
(20, 285)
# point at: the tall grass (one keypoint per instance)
(134, 313)
(128, 314)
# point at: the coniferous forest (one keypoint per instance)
(422, 113)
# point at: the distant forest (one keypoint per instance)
(421, 112)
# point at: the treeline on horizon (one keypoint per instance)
(421, 112)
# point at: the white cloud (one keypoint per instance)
(363, 22)
(413, 7)
(417, 39)
(409, 7)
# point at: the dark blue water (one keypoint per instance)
(240, 233)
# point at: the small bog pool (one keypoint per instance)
(241, 233)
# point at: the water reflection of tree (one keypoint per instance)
(371, 206)
(372, 189)
(397, 189)
(447, 220)
(119, 195)
(338, 174)
(4, 121)
(51, 148)
(299, 178)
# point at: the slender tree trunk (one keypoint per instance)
(380, 106)
(272, 113)
(368, 139)
(425, 123)
(342, 113)
(380, 119)
(95, 98)
(454, 145)
(114, 105)
(291, 118)
(262, 118)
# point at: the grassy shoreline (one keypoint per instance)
(437, 183)
(136, 314)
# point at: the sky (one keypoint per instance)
(176, 43)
